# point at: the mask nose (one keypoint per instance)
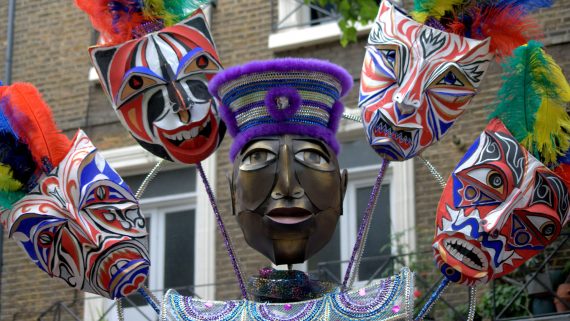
(180, 103)
(287, 185)
(406, 104)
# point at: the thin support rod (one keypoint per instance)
(472, 303)
(149, 298)
(432, 300)
(10, 42)
(148, 179)
(222, 228)
(364, 227)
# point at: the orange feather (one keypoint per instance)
(32, 120)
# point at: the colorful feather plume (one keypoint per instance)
(506, 22)
(119, 21)
(30, 142)
(423, 9)
(532, 103)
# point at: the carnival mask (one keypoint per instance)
(158, 86)
(287, 192)
(416, 81)
(82, 224)
(501, 206)
(286, 186)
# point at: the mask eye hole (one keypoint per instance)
(548, 229)
(202, 63)
(495, 180)
(257, 159)
(450, 79)
(45, 239)
(136, 83)
(389, 56)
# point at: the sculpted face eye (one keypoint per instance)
(311, 156)
(257, 159)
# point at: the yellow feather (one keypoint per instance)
(552, 124)
(7, 182)
(433, 8)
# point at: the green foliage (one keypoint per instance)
(351, 12)
(503, 295)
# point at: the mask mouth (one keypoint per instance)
(289, 215)
(186, 135)
(466, 253)
(384, 135)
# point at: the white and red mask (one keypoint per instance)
(416, 81)
(82, 224)
(501, 206)
(158, 85)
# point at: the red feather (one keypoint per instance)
(509, 27)
(564, 172)
(111, 32)
(32, 120)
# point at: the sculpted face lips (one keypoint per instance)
(287, 193)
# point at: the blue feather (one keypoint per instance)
(5, 126)
(16, 154)
(528, 6)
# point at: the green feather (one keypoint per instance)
(181, 9)
(522, 92)
(7, 199)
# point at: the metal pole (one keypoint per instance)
(10, 42)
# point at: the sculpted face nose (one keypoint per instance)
(287, 185)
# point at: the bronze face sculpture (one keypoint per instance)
(286, 186)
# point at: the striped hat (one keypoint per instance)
(281, 96)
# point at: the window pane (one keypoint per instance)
(360, 147)
(179, 251)
(329, 258)
(377, 250)
(166, 183)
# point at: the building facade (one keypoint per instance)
(50, 51)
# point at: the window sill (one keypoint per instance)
(294, 38)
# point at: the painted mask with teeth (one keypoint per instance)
(501, 206)
(158, 85)
(82, 224)
(415, 82)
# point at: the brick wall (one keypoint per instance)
(50, 41)
(51, 38)
(241, 29)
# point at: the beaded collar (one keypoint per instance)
(386, 299)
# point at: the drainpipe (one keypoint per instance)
(8, 80)
(10, 42)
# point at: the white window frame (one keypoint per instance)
(298, 37)
(134, 160)
(400, 178)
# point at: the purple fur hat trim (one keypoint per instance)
(282, 103)
(282, 65)
(321, 133)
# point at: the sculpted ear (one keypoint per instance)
(232, 196)
(343, 182)
(102, 57)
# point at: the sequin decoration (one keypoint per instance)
(377, 303)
